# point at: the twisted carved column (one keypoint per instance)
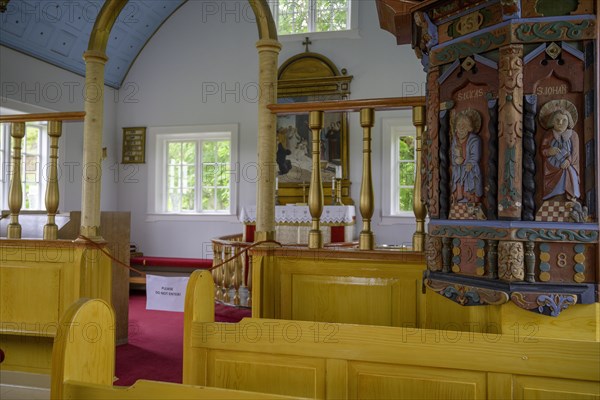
(15, 195)
(492, 174)
(444, 140)
(419, 208)
(315, 192)
(366, 239)
(529, 157)
(52, 193)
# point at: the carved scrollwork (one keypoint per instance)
(467, 295)
(544, 303)
(433, 253)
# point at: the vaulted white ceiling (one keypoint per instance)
(58, 31)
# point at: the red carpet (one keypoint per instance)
(155, 348)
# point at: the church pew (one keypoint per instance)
(83, 360)
(346, 361)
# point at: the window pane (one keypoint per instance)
(189, 177)
(293, 16)
(406, 199)
(407, 148)
(223, 175)
(407, 174)
(174, 176)
(188, 202)
(332, 15)
(32, 136)
(189, 152)
(32, 197)
(223, 152)
(174, 201)
(208, 199)
(222, 199)
(174, 153)
(209, 150)
(209, 172)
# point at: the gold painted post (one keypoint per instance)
(92, 144)
(366, 239)
(418, 241)
(15, 195)
(315, 192)
(268, 51)
(52, 193)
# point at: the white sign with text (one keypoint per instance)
(165, 293)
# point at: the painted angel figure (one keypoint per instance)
(467, 183)
(560, 150)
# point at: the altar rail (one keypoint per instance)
(233, 279)
(347, 361)
(366, 108)
(15, 195)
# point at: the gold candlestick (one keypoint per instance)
(338, 192)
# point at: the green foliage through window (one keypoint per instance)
(198, 166)
(303, 16)
(406, 172)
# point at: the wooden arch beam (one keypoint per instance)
(264, 19)
(104, 22)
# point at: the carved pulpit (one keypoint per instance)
(510, 162)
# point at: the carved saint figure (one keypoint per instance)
(560, 150)
(466, 153)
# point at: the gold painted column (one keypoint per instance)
(52, 193)
(268, 51)
(418, 241)
(315, 192)
(366, 239)
(92, 144)
(15, 195)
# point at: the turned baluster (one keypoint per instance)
(217, 259)
(52, 193)
(226, 275)
(315, 192)
(15, 195)
(237, 276)
(418, 241)
(366, 239)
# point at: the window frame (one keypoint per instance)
(392, 129)
(351, 33)
(159, 137)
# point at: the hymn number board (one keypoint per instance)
(134, 145)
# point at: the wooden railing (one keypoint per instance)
(367, 109)
(233, 283)
(15, 195)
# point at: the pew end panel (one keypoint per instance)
(57, 273)
(83, 362)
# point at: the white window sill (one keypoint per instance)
(397, 220)
(349, 34)
(192, 217)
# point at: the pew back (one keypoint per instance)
(83, 359)
(334, 360)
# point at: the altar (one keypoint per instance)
(293, 223)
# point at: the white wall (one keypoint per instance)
(31, 85)
(193, 51)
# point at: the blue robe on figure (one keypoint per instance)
(466, 183)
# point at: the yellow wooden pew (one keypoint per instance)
(83, 363)
(346, 361)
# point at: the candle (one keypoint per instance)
(338, 171)
(332, 185)
(276, 183)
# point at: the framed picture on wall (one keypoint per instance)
(134, 145)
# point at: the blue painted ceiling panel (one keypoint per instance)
(58, 32)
